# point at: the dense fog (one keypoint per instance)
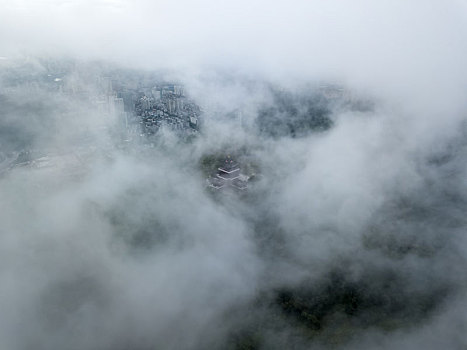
(349, 118)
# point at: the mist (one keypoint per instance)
(348, 119)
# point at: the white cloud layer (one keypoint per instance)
(395, 174)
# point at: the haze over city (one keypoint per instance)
(233, 174)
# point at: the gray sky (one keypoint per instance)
(359, 38)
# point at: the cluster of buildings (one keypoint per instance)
(109, 105)
(167, 106)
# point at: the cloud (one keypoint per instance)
(352, 237)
